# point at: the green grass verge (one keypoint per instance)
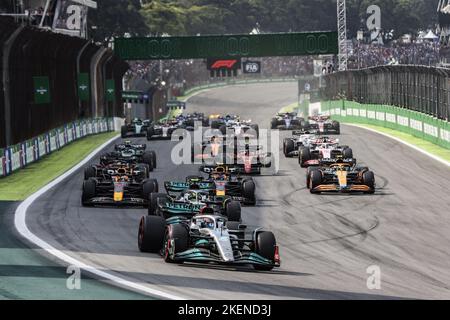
(420, 143)
(28, 180)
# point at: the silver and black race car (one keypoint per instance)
(130, 153)
(208, 238)
(288, 121)
(137, 128)
(299, 139)
(163, 129)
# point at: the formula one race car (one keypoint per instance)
(189, 120)
(130, 153)
(341, 177)
(190, 202)
(137, 127)
(244, 157)
(232, 124)
(299, 139)
(324, 125)
(222, 181)
(121, 188)
(206, 238)
(322, 148)
(288, 121)
(163, 129)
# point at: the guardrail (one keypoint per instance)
(418, 124)
(418, 88)
(20, 155)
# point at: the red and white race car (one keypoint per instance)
(324, 125)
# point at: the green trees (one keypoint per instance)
(190, 17)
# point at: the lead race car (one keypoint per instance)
(341, 176)
(164, 129)
(137, 127)
(207, 238)
(288, 121)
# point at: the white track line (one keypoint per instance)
(21, 226)
(434, 157)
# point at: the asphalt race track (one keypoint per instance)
(326, 241)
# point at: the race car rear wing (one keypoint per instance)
(176, 187)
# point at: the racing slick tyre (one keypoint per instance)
(153, 153)
(176, 240)
(265, 246)
(153, 202)
(90, 172)
(151, 234)
(145, 169)
(233, 210)
(148, 187)
(223, 129)
(369, 180)
(150, 133)
(289, 147)
(123, 131)
(255, 127)
(248, 191)
(336, 126)
(147, 158)
(315, 180)
(89, 192)
(347, 153)
(205, 123)
(308, 174)
(273, 124)
(304, 155)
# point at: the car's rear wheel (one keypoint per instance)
(151, 234)
(153, 202)
(147, 158)
(347, 153)
(153, 155)
(265, 246)
(176, 241)
(233, 210)
(248, 191)
(123, 131)
(289, 146)
(150, 133)
(273, 124)
(308, 174)
(304, 155)
(315, 180)
(90, 172)
(223, 129)
(150, 186)
(89, 192)
(369, 180)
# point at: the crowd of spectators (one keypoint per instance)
(370, 55)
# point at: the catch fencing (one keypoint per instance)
(22, 154)
(415, 88)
